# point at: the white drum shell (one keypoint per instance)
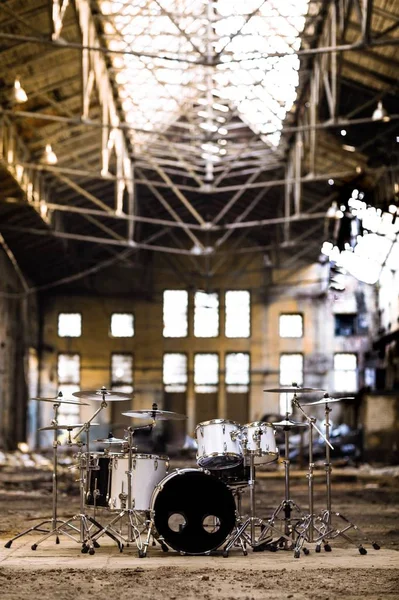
(218, 444)
(264, 449)
(147, 471)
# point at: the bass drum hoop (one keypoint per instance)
(193, 495)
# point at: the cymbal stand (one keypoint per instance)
(85, 520)
(307, 525)
(54, 518)
(287, 506)
(252, 522)
(133, 532)
(328, 531)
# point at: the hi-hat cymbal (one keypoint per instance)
(111, 440)
(58, 426)
(103, 393)
(328, 400)
(293, 389)
(288, 423)
(57, 400)
(157, 415)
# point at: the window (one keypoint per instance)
(175, 309)
(350, 324)
(291, 371)
(238, 321)
(345, 372)
(206, 315)
(122, 325)
(175, 372)
(237, 372)
(69, 325)
(68, 370)
(206, 372)
(291, 326)
(122, 372)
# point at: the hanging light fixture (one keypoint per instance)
(380, 113)
(19, 93)
(50, 156)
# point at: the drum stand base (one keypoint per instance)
(55, 530)
(326, 531)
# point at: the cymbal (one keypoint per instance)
(289, 423)
(157, 415)
(58, 426)
(58, 400)
(111, 440)
(328, 400)
(98, 395)
(293, 389)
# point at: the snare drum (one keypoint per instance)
(218, 444)
(258, 439)
(147, 471)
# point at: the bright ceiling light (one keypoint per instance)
(343, 132)
(348, 148)
(209, 127)
(331, 182)
(380, 113)
(50, 156)
(20, 95)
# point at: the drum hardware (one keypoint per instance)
(323, 522)
(54, 522)
(103, 395)
(293, 389)
(219, 444)
(252, 522)
(86, 522)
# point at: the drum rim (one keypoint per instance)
(257, 424)
(215, 454)
(217, 421)
(263, 453)
(139, 455)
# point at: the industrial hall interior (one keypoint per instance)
(199, 299)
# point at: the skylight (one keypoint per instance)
(173, 55)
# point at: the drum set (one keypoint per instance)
(132, 498)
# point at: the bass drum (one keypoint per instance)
(194, 511)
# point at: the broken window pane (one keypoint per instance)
(206, 372)
(69, 324)
(122, 325)
(237, 372)
(206, 314)
(175, 372)
(237, 304)
(175, 309)
(291, 326)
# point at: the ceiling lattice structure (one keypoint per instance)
(189, 129)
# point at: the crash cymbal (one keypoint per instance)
(327, 400)
(293, 389)
(111, 440)
(103, 393)
(58, 426)
(157, 415)
(289, 423)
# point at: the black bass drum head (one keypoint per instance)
(194, 512)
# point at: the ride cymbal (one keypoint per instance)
(293, 389)
(328, 400)
(288, 423)
(103, 394)
(111, 440)
(58, 426)
(58, 400)
(156, 415)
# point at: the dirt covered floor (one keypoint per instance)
(61, 571)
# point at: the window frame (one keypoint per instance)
(210, 337)
(174, 337)
(164, 385)
(291, 337)
(122, 383)
(237, 385)
(118, 337)
(217, 385)
(69, 337)
(249, 316)
(355, 370)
